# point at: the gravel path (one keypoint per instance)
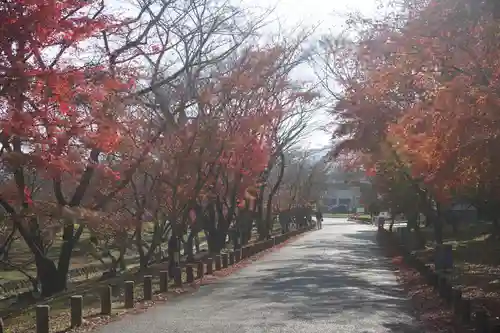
(331, 280)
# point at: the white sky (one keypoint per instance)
(325, 13)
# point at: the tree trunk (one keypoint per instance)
(50, 279)
(392, 223)
(69, 240)
(221, 240)
(197, 243)
(172, 249)
(245, 225)
(437, 224)
(211, 240)
(260, 218)
(272, 193)
(143, 260)
(454, 224)
(188, 248)
(496, 227)
(216, 239)
(155, 243)
(209, 228)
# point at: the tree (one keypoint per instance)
(57, 117)
(141, 129)
(299, 105)
(304, 180)
(421, 86)
(450, 132)
(72, 115)
(261, 84)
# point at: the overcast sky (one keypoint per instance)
(328, 14)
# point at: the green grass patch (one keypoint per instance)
(330, 215)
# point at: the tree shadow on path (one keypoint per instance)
(344, 278)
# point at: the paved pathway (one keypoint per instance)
(331, 280)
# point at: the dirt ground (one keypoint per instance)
(476, 259)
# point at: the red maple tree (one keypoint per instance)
(59, 112)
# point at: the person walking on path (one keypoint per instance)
(319, 219)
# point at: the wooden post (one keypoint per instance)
(225, 260)
(218, 265)
(178, 276)
(115, 290)
(210, 266)
(148, 287)
(76, 310)
(2, 328)
(200, 271)
(244, 252)
(189, 273)
(42, 318)
(129, 294)
(163, 281)
(106, 300)
(158, 256)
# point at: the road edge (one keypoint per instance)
(188, 290)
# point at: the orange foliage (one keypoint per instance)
(429, 89)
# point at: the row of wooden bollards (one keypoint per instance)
(464, 312)
(76, 301)
(221, 261)
(214, 263)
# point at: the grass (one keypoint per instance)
(330, 215)
(20, 255)
(76, 283)
(476, 261)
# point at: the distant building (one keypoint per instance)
(342, 193)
